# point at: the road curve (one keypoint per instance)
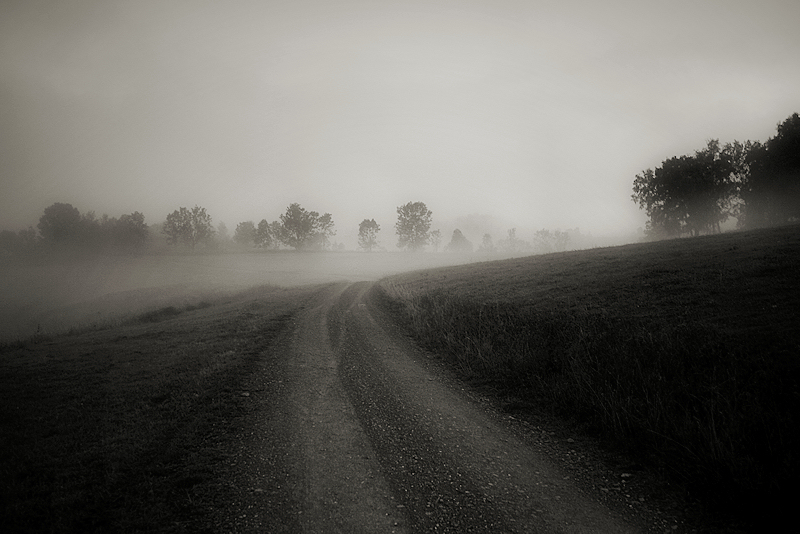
(359, 436)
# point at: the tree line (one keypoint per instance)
(62, 227)
(756, 183)
(298, 228)
(308, 230)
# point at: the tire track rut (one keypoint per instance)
(342, 488)
(360, 437)
(451, 465)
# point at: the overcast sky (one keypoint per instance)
(537, 113)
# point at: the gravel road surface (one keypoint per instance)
(352, 429)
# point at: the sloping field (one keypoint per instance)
(685, 352)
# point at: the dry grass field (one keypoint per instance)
(683, 352)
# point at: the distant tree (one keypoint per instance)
(543, 241)
(710, 190)
(174, 226)
(687, 194)
(547, 241)
(129, 231)
(94, 232)
(276, 230)
(459, 243)
(784, 150)
(325, 230)
(201, 228)
(512, 240)
(245, 233)
(368, 234)
(303, 229)
(263, 235)
(733, 202)
(771, 192)
(299, 226)
(222, 232)
(757, 183)
(413, 225)
(61, 223)
(190, 227)
(511, 243)
(486, 244)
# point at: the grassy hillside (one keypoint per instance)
(684, 351)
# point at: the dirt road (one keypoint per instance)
(352, 430)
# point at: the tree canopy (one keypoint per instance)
(459, 243)
(245, 233)
(771, 191)
(264, 236)
(413, 225)
(368, 234)
(190, 227)
(686, 194)
(130, 231)
(60, 223)
(757, 183)
(547, 241)
(325, 231)
(303, 230)
(487, 245)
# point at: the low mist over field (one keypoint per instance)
(55, 295)
(529, 115)
(183, 130)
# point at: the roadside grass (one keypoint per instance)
(683, 352)
(169, 311)
(119, 429)
(105, 323)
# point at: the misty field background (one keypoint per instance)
(48, 295)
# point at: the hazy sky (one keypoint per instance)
(539, 113)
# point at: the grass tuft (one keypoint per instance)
(159, 315)
(167, 312)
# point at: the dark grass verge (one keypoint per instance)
(170, 311)
(122, 430)
(151, 316)
(714, 403)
